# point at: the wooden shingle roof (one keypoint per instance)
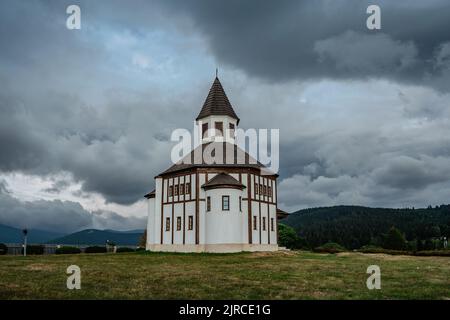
(150, 194)
(198, 158)
(217, 103)
(223, 180)
(281, 214)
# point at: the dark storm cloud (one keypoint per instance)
(101, 103)
(406, 172)
(59, 216)
(110, 220)
(372, 143)
(282, 40)
(74, 138)
(50, 121)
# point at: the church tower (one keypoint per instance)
(224, 205)
(217, 116)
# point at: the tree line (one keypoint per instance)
(354, 227)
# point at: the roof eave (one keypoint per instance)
(224, 186)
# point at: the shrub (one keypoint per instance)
(287, 237)
(411, 245)
(125, 249)
(370, 249)
(143, 239)
(330, 247)
(3, 249)
(442, 253)
(429, 245)
(95, 249)
(67, 250)
(374, 249)
(394, 240)
(35, 249)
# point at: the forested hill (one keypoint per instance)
(354, 226)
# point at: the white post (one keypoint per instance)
(25, 245)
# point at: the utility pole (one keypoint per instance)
(25, 232)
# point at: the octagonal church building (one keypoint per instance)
(223, 204)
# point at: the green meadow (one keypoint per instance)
(279, 275)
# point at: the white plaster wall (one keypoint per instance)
(190, 211)
(202, 223)
(224, 226)
(154, 209)
(217, 226)
(150, 221)
(265, 214)
(244, 182)
(273, 234)
(178, 234)
(193, 195)
(244, 217)
(167, 235)
(255, 212)
(226, 120)
(202, 181)
(252, 181)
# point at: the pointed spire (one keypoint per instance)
(217, 103)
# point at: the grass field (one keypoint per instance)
(280, 275)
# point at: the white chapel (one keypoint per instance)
(224, 205)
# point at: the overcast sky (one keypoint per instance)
(86, 115)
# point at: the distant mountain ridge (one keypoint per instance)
(88, 237)
(14, 235)
(94, 237)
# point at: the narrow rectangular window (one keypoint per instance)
(231, 130)
(190, 222)
(181, 189)
(167, 224)
(225, 203)
(271, 224)
(219, 128)
(270, 192)
(208, 203)
(178, 223)
(255, 225)
(256, 188)
(264, 190)
(240, 204)
(204, 130)
(188, 188)
(176, 190)
(170, 191)
(264, 223)
(260, 189)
